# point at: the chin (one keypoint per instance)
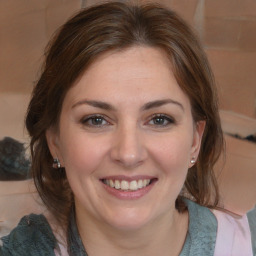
(128, 220)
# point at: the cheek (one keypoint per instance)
(81, 154)
(173, 154)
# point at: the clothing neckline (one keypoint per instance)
(202, 231)
(74, 239)
(200, 238)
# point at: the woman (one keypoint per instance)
(123, 123)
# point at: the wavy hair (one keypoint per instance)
(118, 26)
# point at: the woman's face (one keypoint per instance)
(126, 137)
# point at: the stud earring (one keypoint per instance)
(56, 163)
(193, 160)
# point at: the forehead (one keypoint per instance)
(134, 73)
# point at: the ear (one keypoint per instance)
(52, 139)
(197, 138)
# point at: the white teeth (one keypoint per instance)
(126, 185)
(145, 183)
(140, 184)
(133, 185)
(117, 184)
(111, 183)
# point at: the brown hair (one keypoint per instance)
(117, 26)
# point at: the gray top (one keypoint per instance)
(34, 237)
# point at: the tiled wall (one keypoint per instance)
(228, 31)
(25, 28)
(230, 39)
(226, 27)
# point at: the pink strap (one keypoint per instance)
(233, 235)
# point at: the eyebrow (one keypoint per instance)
(96, 104)
(159, 103)
(147, 106)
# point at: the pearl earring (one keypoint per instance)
(56, 163)
(193, 160)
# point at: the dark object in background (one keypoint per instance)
(251, 138)
(13, 163)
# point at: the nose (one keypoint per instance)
(128, 148)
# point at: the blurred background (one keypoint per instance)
(227, 29)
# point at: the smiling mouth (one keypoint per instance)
(124, 185)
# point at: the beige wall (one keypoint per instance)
(230, 39)
(227, 29)
(12, 110)
(25, 28)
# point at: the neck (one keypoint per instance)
(165, 235)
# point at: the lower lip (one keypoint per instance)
(129, 195)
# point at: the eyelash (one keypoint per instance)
(87, 121)
(166, 121)
(164, 117)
